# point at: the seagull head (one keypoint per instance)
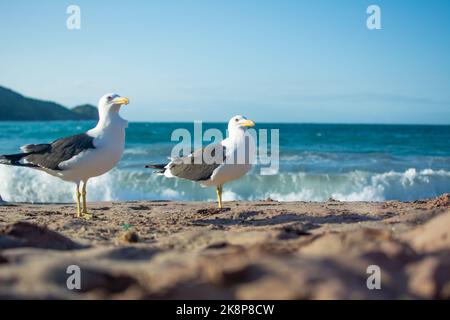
(239, 123)
(111, 103)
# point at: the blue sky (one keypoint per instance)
(290, 61)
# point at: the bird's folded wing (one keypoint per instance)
(200, 164)
(59, 151)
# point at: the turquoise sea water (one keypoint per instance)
(317, 161)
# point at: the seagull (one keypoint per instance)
(78, 158)
(216, 164)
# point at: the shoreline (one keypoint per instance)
(249, 250)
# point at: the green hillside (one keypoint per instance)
(16, 107)
(86, 111)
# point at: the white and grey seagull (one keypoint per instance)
(216, 164)
(81, 157)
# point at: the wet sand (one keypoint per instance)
(249, 250)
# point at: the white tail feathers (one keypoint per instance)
(27, 148)
(34, 148)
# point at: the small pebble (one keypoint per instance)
(129, 237)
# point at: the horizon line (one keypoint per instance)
(264, 122)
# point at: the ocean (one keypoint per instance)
(316, 162)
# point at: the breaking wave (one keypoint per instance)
(317, 162)
(25, 185)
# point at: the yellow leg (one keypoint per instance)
(86, 215)
(78, 202)
(219, 196)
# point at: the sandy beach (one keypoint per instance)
(249, 250)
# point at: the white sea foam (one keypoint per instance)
(136, 151)
(362, 186)
(26, 185)
(170, 194)
(228, 195)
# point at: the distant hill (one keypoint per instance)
(16, 107)
(86, 111)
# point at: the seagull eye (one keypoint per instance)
(109, 98)
(236, 119)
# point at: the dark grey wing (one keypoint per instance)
(200, 165)
(49, 156)
(14, 160)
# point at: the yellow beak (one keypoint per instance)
(121, 100)
(247, 123)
